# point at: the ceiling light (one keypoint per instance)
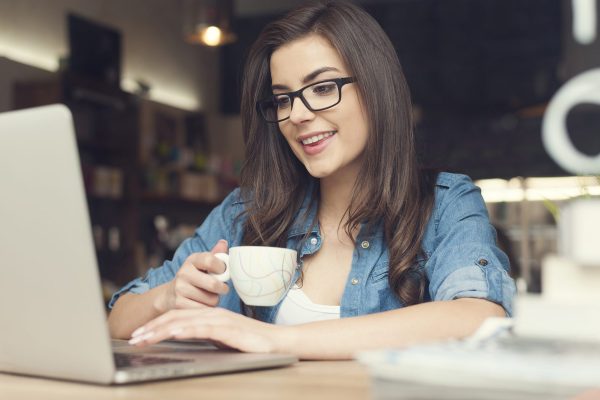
(207, 22)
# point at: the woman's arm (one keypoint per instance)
(182, 282)
(421, 323)
(192, 287)
(465, 261)
(325, 340)
(133, 310)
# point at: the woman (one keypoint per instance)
(330, 171)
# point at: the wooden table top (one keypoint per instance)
(313, 380)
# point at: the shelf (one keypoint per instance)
(98, 145)
(92, 198)
(117, 138)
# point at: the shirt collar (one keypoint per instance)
(301, 226)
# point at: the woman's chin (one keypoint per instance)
(318, 173)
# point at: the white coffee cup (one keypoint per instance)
(584, 88)
(261, 275)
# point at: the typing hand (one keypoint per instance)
(215, 324)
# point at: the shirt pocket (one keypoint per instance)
(380, 272)
(379, 296)
(384, 298)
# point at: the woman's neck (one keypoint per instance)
(335, 198)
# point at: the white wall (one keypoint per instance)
(226, 137)
(34, 32)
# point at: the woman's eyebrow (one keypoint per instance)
(307, 78)
(316, 73)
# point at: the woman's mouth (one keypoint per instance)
(314, 140)
(317, 143)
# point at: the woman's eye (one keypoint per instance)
(324, 88)
(282, 101)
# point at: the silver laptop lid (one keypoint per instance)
(51, 326)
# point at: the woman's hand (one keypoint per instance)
(193, 286)
(215, 324)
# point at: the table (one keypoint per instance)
(313, 380)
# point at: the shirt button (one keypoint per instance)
(313, 241)
(483, 262)
(354, 281)
(365, 244)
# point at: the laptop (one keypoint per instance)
(51, 310)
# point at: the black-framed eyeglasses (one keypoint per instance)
(317, 96)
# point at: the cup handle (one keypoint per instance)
(223, 277)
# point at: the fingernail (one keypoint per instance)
(141, 338)
(135, 340)
(147, 335)
(138, 331)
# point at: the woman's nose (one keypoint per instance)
(299, 112)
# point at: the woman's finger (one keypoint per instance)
(221, 247)
(188, 294)
(181, 325)
(207, 262)
(214, 324)
(182, 303)
(163, 319)
(207, 282)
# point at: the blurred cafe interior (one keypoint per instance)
(154, 85)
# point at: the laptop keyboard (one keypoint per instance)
(125, 360)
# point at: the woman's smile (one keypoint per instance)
(315, 143)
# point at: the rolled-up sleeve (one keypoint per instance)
(466, 261)
(218, 225)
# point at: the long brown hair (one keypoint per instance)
(390, 187)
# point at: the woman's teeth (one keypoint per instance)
(314, 139)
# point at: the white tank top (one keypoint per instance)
(297, 308)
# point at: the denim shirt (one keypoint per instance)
(460, 255)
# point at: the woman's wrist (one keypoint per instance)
(285, 339)
(160, 302)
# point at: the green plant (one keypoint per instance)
(554, 209)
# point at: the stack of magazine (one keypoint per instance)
(495, 365)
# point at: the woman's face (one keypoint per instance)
(341, 131)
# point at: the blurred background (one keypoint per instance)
(154, 87)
